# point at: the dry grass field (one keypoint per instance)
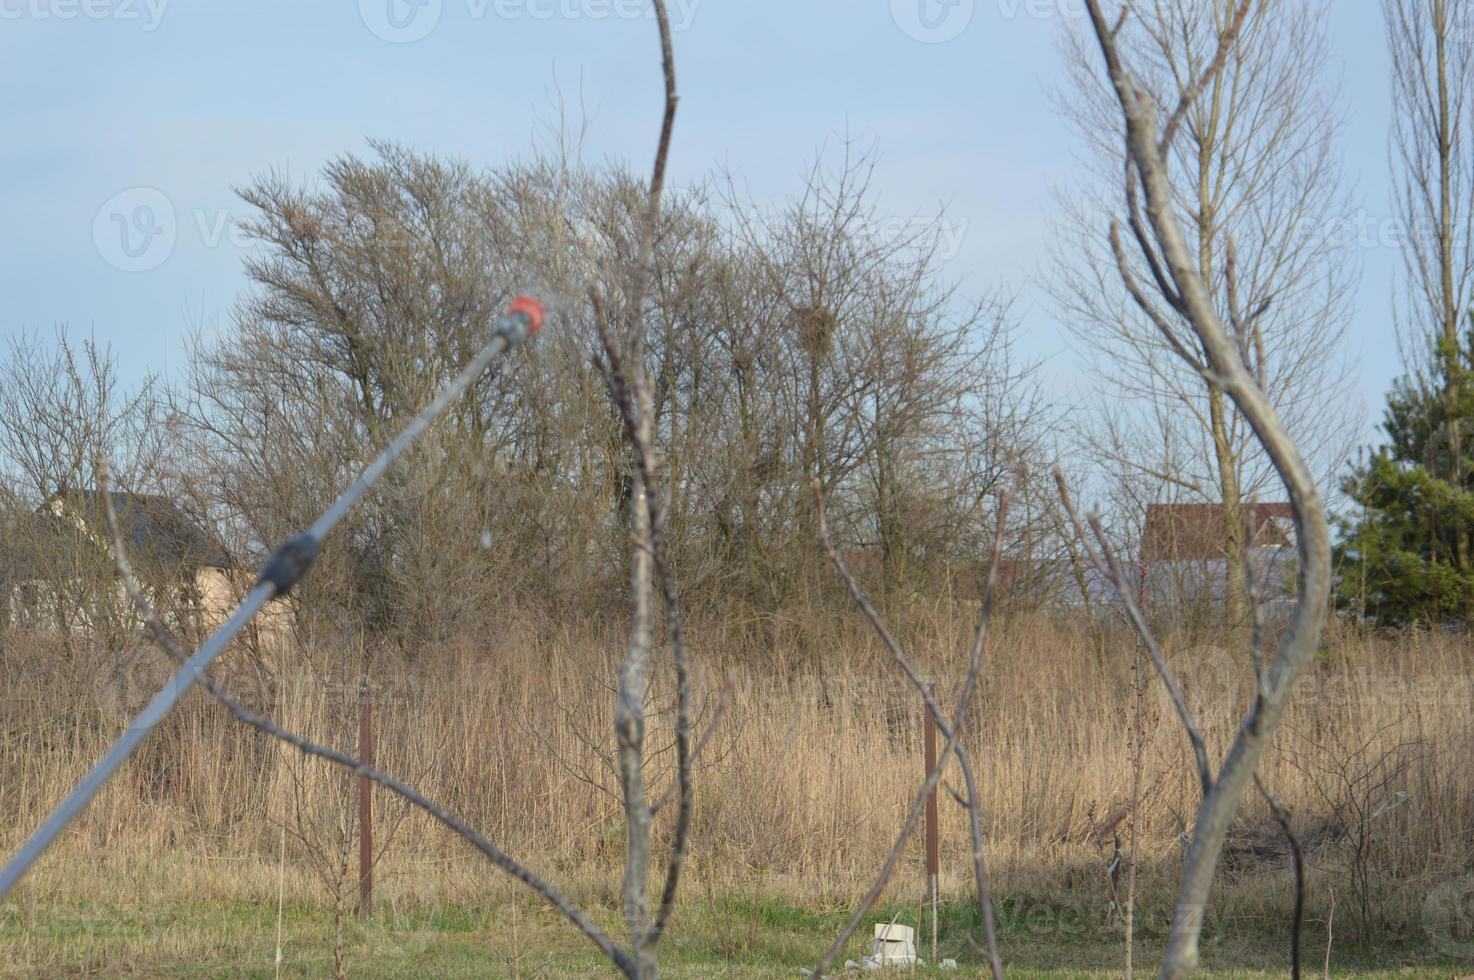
(178, 867)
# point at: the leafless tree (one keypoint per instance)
(621, 329)
(1359, 777)
(1215, 349)
(62, 407)
(1432, 44)
(865, 370)
(365, 299)
(753, 318)
(1255, 180)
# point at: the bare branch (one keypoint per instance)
(1246, 328)
(1163, 327)
(712, 726)
(1148, 250)
(1108, 565)
(1226, 40)
(1282, 817)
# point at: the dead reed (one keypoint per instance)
(799, 788)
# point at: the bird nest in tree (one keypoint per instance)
(816, 327)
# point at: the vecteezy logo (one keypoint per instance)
(1448, 918)
(400, 21)
(933, 21)
(135, 231)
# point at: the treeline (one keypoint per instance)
(808, 344)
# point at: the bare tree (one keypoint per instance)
(862, 368)
(1218, 353)
(622, 331)
(62, 407)
(1255, 180)
(1432, 44)
(812, 338)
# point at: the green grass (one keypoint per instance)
(725, 936)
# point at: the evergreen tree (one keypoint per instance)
(1404, 546)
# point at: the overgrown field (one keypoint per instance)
(177, 869)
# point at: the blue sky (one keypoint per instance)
(142, 108)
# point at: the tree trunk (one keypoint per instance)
(1235, 530)
(1446, 246)
(1219, 410)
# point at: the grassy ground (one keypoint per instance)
(722, 938)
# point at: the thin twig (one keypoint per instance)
(711, 729)
(281, 880)
(1226, 41)
(1246, 328)
(1148, 251)
(1282, 818)
(1123, 267)
(964, 760)
(1108, 565)
(1330, 935)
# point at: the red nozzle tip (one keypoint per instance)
(533, 309)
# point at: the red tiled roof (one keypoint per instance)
(1196, 532)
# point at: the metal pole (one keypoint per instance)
(932, 858)
(282, 570)
(365, 805)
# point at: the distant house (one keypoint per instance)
(58, 563)
(1183, 557)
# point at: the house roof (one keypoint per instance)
(158, 534)
(154, 528)
(1197, 532)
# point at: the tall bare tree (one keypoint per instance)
(1254, 176)
(1216, 350)
(1432, 45)
(652, 581)
(873, 375)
